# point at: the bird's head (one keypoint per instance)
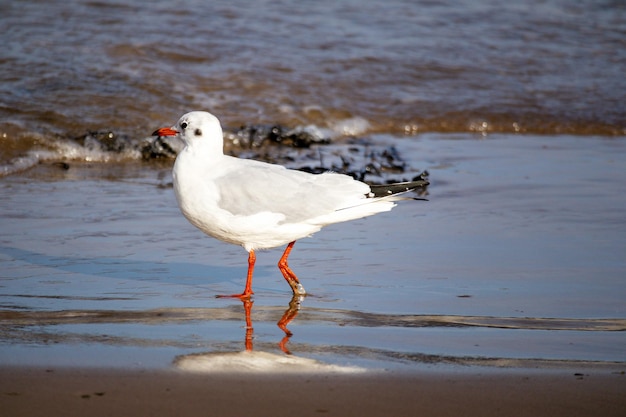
(196, 128)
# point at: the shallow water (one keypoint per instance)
(516, 260)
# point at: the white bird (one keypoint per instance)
(259, 205)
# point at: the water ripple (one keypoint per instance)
(344, 317)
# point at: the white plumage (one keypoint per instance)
(255, 204)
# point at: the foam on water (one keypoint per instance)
(352, 68)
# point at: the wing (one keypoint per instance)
(255, 188)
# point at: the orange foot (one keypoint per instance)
(243, 296)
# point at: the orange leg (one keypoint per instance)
(289, 275)
(247, 292)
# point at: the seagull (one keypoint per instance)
(259, 205)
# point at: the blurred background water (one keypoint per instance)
(353, 67)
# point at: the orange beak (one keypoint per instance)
(165, 131)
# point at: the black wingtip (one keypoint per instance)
(397, 188)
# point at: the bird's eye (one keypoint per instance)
(183, 125)
(198, 132)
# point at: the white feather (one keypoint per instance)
(255, 204)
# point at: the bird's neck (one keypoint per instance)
(204, 152)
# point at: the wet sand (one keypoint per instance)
(80, 392)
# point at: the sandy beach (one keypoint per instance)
(502, 295)
(79, 392)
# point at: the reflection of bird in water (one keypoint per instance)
(288, 316)
(259, 205)
(250, 360)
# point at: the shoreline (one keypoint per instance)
(99, 392)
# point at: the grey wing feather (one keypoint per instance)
(295, 194)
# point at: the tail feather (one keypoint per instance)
(380, 198)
